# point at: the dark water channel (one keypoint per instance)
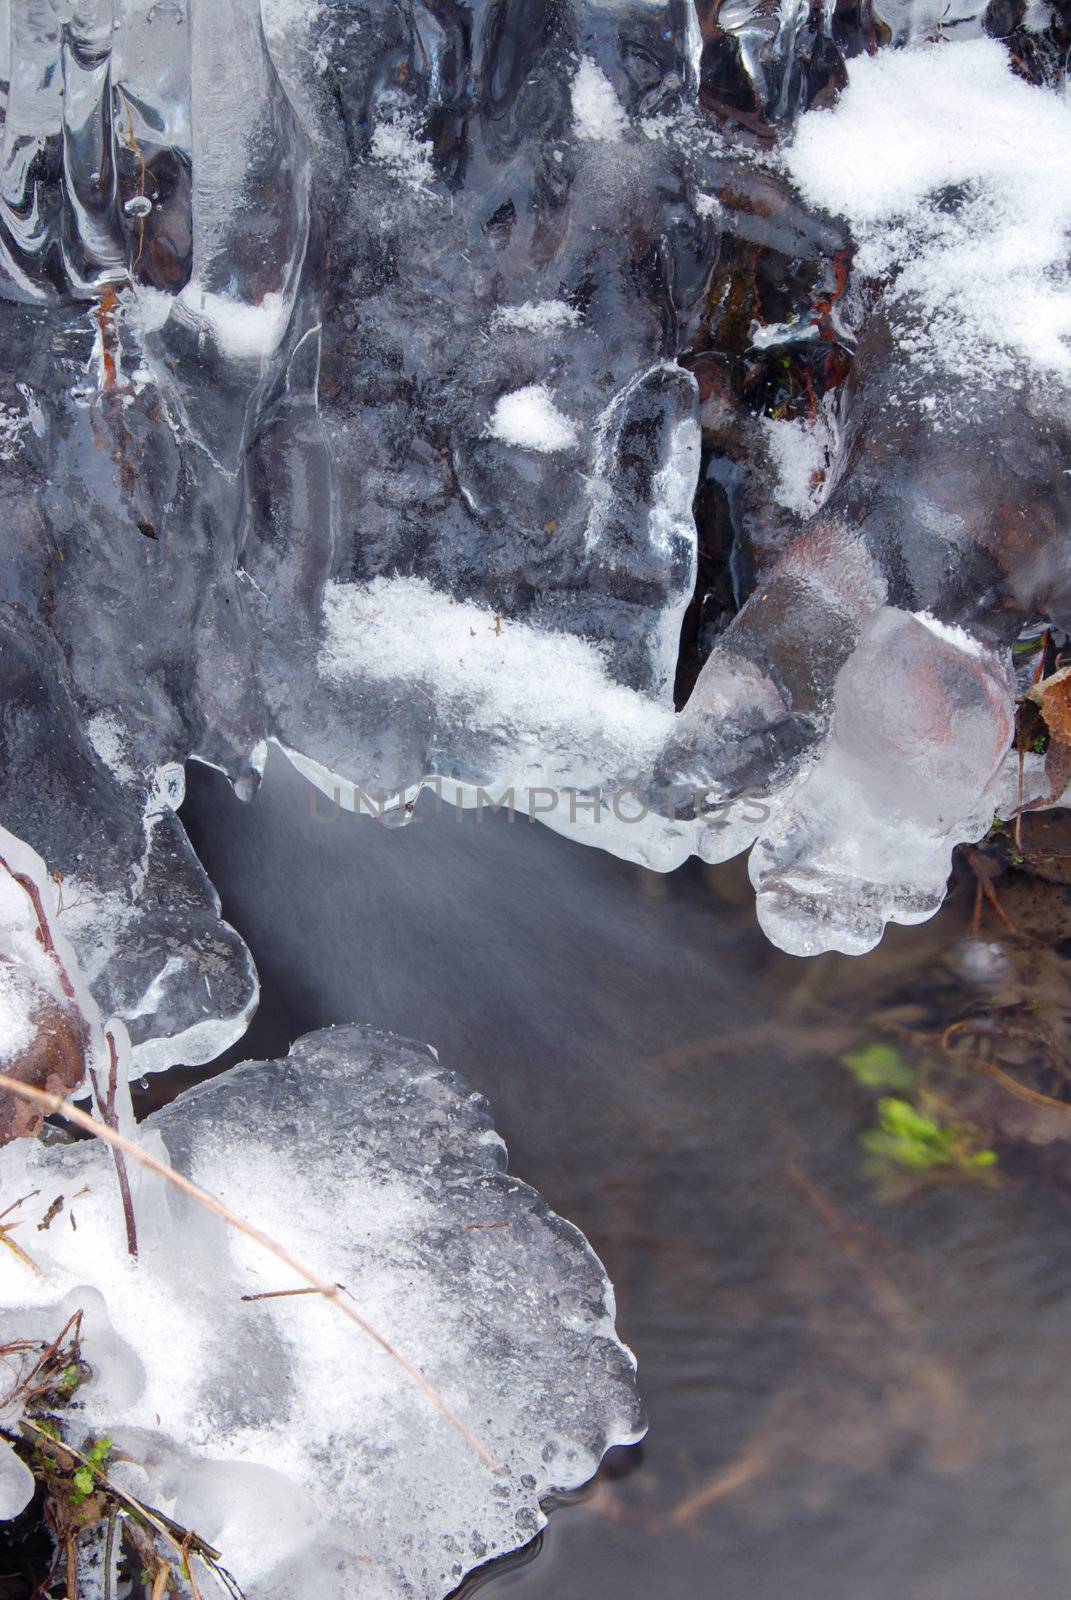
(850, 1397)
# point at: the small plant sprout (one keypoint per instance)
(916, 1136)
(879, 1066)
(914, 1142)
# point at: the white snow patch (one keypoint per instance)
(398, 146)
(242, 330)
(536, 316)
(16, 1029)
(597, 112)
(985, 277)
(148, 309)
(764, 335)
(800, 455)
(109, 741)
(529, 418)
(521, 675)
(13, 424)
(950, 632)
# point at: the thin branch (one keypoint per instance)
(56, 1105)
(109, 1557)
(16, 1249)
(283, 1294)
(1033, 1097)
(44, 932)
(106, 1107)
(744, 1469)
(168, 1529)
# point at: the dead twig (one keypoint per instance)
(748, 1465)
(106, 1107)
(1033, 1097)
(283, 1294)
(109, 1556)
(54, 1354)
(57, 1106)
(16, 1249)
(986, 890)
(886, 1297)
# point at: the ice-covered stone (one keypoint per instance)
(274, 1427)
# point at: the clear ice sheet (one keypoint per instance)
(335, 336)
(275, 1428)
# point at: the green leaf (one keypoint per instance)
(906, 1137)
(879, 1066)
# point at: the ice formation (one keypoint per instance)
(650, 418)
(274, 1428)
(564, 403)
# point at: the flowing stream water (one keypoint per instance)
(850, 1397)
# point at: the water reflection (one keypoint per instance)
(847, 1397)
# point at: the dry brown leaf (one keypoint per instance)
(1056, 705)
(54, 1061)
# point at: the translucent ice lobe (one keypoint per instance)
(94, 248)
(921, 721)
(59, 237)
(274, 1427)
(249, 159)
(16, 1483)
(137, 908)
(31, 141)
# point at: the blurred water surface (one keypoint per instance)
(849, 1398)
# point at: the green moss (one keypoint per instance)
(85, 1477)
(879, 1066)
(916, 1142)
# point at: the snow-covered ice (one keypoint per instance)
(276, 1428)
(952, 171)
(529, 418)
